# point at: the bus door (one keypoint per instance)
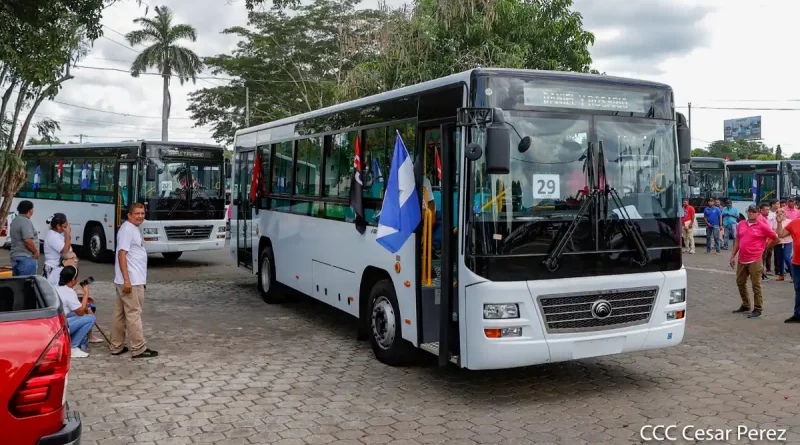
(767, 187)
(241, 228)
(439, 239)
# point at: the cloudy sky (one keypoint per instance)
(719, 55)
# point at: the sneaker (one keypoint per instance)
(691, 251)
(77, 353)
(124, 350)
(780, 277)
(742, 309)
(764, 278)
(754, 314)
(792, 319)
(146, 354)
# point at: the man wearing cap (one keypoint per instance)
(750, 245)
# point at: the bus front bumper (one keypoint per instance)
(183, 236)
(524, 341)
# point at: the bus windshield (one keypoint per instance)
(708, 183)
(545, 181)
(186, 189)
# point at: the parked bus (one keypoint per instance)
(707, 180)
(181, 185)
(757, 182)
(540, 261)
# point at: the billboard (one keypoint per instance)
(743, 128)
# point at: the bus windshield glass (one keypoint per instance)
(189, 183)
(708, 183)
(544, 183)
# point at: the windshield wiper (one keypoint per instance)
(551, 262)
(629, 229)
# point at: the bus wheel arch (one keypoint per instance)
(271, 291)
(384, 325)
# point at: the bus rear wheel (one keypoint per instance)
(271, 291)
(96, 246)
(385, 335)
(172, 256)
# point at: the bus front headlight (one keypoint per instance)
(677, 296)
(150, 231)
(497, 311)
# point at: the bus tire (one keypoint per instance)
(267, 284)
(172, 256)
(96, 245)
(384, 324)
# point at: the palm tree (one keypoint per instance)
(170, 59)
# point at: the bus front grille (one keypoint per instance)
(597, 310)
(701, 222)
(183, 233)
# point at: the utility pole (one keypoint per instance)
(690, 115)
(247, 106)
(81, 137)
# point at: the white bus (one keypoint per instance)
(181, 185)
(759, 182)
(707, 180)
(540, 262)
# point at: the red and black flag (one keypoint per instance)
(356, 185)
(254, 185)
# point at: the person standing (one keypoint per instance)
(24, 241)
(713, 216)
(57, 241)
(792, 212)
(783, 250)
(130, 277)
(730, 219)
(750, 245)
(768, 216)
(792, 229)
(687, 226)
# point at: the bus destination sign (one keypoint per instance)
(585, 98)
(180, 152)
(706, 165)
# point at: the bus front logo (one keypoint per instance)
(601, 309)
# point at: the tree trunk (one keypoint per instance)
(17, 109)
(165, 109)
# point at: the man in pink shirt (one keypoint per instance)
(751, 242)
(792, 212)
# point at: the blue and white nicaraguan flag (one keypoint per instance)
(36, 177)
(85, 176)
(755, 190)
(400, 214)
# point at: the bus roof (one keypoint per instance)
(748, 162)
(462, 77)
(127, 144)
(707, 159)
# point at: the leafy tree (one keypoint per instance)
(291, 62)
(741, 149)
(795, 156)
(165, 54)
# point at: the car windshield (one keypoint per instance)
(545, 181)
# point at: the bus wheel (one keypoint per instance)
(96, 248)
(384, 326)
(172, 256)
(267, 284)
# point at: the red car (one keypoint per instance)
(34, 364)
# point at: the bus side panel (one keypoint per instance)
(301, 241)
(79, 214)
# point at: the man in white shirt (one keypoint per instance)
(130, 277)
(57, 240)
(80, 319)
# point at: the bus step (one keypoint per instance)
(433, 348)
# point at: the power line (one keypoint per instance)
(114, 112)
(120, 137)
(120, 44)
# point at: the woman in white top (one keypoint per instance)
(57, 240)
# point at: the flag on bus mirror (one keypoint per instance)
(36, 177)
(85, 176)
(60, 170)
(438, 164)
(401, 213)
(356, 189)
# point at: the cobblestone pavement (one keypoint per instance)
(233, 370)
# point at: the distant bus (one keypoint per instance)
(757, 182)
(708, 179)
(182, 186)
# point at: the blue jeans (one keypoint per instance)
(79, 327)
(795, 275)
(23, 265)
(730, 234)
(783, 258)
(712, 231)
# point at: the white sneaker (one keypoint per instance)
(77, 353)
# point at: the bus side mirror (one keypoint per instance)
(692, 180)
(684, 139)
(227, 169)
(152, 172)
(498, 145)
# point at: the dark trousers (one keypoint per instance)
(796, 274)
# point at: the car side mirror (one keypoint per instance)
(684, 139)
(152, 172)
(498, 145)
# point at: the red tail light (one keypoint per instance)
(42, 391)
